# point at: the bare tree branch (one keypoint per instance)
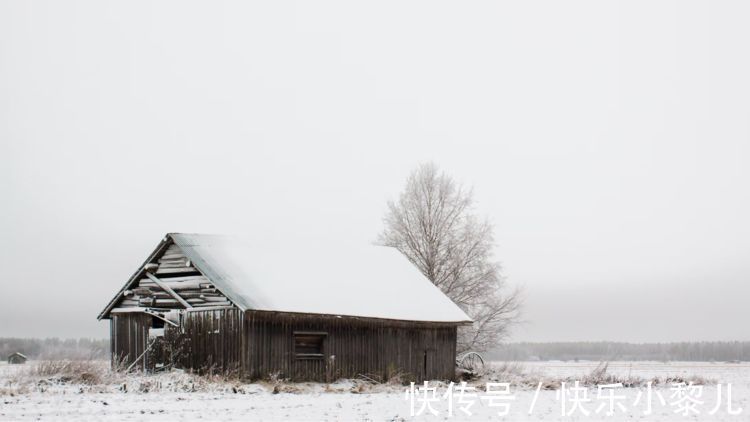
(433, 225)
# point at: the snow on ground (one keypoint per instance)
(168, 400)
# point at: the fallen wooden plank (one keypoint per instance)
(161, 317)
(174, 285)
(168, 290)
(185, 294)
(142, 291)
(195, 301)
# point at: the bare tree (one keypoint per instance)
(433, 224)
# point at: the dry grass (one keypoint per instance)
(96, 376)
(71, 371)
(41, 376)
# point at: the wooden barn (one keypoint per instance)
(215, 303)
(17, 359)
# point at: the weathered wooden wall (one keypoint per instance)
(213, 340)
(259, 344)
(129, 337)
(376, 348)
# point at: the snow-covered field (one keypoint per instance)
(170, 397)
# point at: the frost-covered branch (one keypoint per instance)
(432, 223)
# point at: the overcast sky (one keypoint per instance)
(608, 142)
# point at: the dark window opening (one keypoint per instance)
(157, 322)
(309, 345)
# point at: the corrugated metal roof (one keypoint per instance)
(365, 281)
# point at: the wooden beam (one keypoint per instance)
(178, 270)
(161, 317)
(174, 285)
(168, 290)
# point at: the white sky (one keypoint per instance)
(609, 143)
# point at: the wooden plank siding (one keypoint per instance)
(352, 346)
(129, 338)
(213, 340)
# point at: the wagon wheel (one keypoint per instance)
(471, 362)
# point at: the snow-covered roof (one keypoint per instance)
(365, 281)
(355, 280)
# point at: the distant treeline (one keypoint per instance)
(608, 351)
(55, 348)
(86, 348)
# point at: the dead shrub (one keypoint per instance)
(692, 379)
(71, 371)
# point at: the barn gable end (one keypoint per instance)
(167, 280)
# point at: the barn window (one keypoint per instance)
(309, 345)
